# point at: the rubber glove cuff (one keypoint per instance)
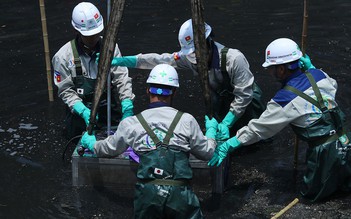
(88, 141)
(80, 109)
(229, 119)
(127, 61)
(233, 143)
(127, 108)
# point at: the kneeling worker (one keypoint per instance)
(163, 137)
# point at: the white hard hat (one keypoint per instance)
(163, 74)
(186, 36)
(281, 51)
(87, 19)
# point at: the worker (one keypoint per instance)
(163, 137)
(235, 97)
(306, 101)
(76, 72)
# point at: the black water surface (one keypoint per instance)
(34, 181)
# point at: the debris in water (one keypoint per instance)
(27, 126)
(10, 130)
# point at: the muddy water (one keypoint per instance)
(36, 183)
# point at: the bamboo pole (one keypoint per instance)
(46, 49)
(304, 27)
(303, 49)
(291, 204)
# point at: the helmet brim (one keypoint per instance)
(92, 32)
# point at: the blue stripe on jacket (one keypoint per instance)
(299, 81)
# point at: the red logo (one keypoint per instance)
(176, 56)
(187, 38)
(57, 76)
(268, 52)
(96, 16)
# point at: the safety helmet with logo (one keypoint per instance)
(281, 51)
(165, 76)
(87, 19)
(186, 36)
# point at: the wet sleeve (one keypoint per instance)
(121, 80)
(241, 80)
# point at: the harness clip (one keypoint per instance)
(80, 91)
(332, 132)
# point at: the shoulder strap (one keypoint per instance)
(153, 136)
(319, 102)
(172, 127)
(148, 129)
(316, 90)
(224, 52)
(302, 95)
(77, 61)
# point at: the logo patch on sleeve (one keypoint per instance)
(176, 56)
(57, 76)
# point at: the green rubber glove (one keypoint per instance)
(127, 61)
(222, 151)
(225, 125)
(211, 127)
(88, 141)
(80, 109)
(306, 63)
(127, 108)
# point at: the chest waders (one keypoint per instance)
(225, 96)
(85, 88)
(328, 160)
(162, 190)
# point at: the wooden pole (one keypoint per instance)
(304, 27)
(303, 49)
(106, 55)
(201, 51)
(291, 204)
(202, 55)
(46, 49)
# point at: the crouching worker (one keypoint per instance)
(163, 137)
(306, 102)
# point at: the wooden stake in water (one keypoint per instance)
(46, 49)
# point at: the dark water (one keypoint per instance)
(34, 181)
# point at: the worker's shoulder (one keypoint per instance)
(64, 50)
(187, 117)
